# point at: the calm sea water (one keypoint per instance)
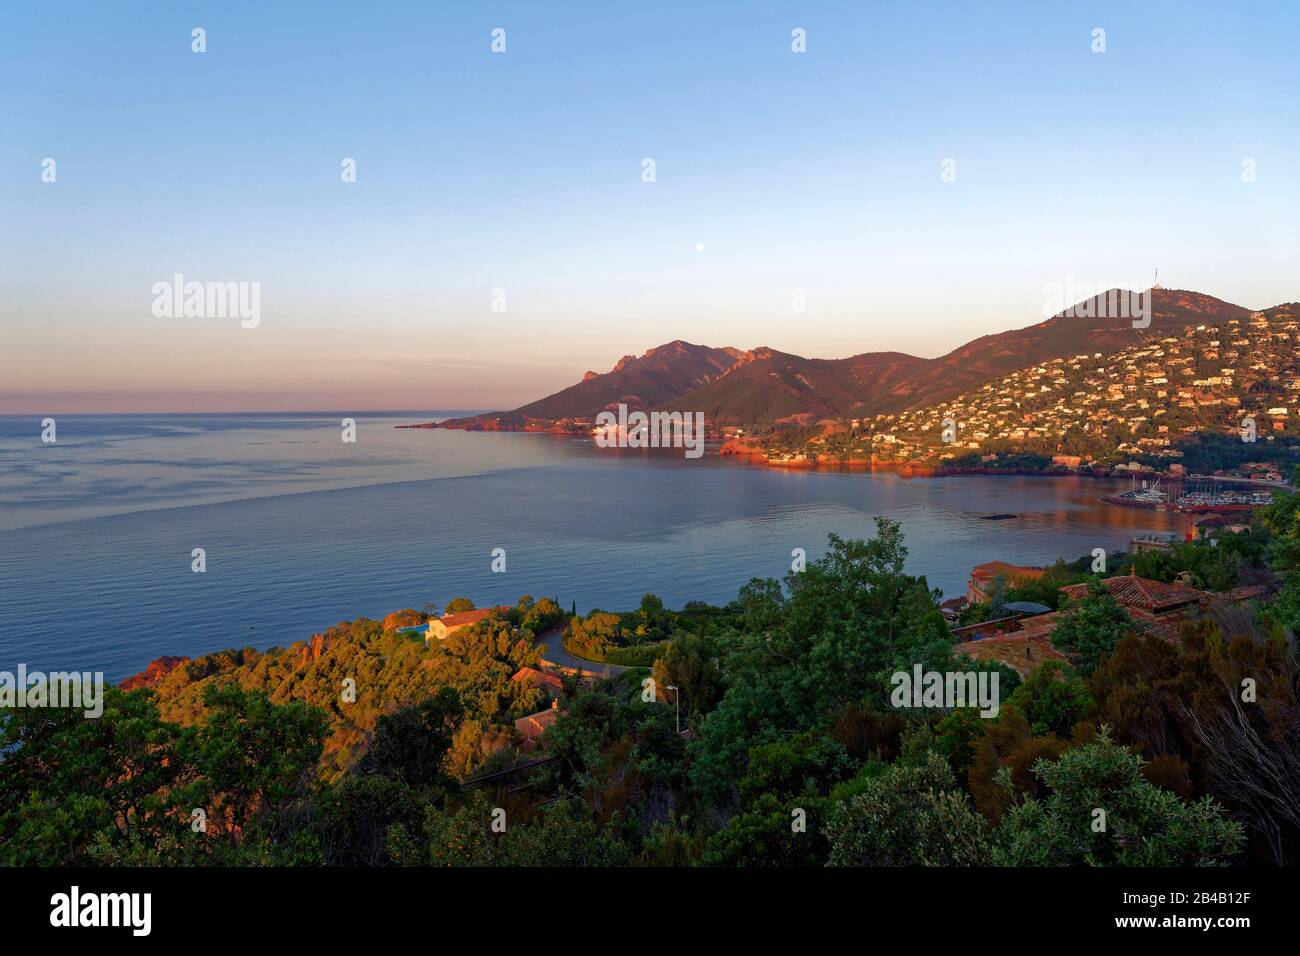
(302, 531)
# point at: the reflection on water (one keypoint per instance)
(302, 531)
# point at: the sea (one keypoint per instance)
(101, 530)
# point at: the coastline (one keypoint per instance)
(741, 452)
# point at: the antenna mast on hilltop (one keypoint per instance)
(1156, 284)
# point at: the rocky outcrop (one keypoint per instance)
(405, 618)
(155, 672)
(738, 448)
(311, 650)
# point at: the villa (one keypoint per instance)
(1162, 607)
(1023, 642)
(552, 684)
(533, 726)
(441, 627)
(982, 577)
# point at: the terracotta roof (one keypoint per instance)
(1019, 651)
(976, 631)
(1039, 627)
(992, 569)
(539, 678)
(461, 618)
(1165, 629)
(1134, 592)
(534, 725)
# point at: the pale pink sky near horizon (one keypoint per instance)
(139, 365)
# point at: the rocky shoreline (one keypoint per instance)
(740, 450)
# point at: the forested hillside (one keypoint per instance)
(792, 748)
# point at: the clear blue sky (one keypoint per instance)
(816, 171)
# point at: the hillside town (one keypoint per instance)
(1129, 410)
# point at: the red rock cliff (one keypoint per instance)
(156, 671)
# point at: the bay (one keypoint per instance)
(301, 530)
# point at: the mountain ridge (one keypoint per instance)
(764, 386)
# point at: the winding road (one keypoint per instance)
(554, 653)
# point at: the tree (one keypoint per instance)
(867, 733)
(1101, 811)
(692, 662)
(1243, 714)
(1046, 588)
(1135, 693)
(456, 836)
(783, 804)
(540, 616)
(1227, 711)
(956, 735)
(998, 597)
(459, 604)
(75, 791)
(764, 834)
(910, 816)
(1053, 699)
(595, 636)
(1090, 629)
(798, 659)
(1282, 519)
(121, 789)
(562, 835)
(252, 757)
(412, 744)
(1003, 756)
(807, 764)
(351, 821)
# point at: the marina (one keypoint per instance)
(1192, 495)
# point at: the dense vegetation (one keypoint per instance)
(1136, 752)
(1203, 453)
(641, 637)
(1207, 452)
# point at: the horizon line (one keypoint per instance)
(264, 411)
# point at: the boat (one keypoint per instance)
(1150, 494)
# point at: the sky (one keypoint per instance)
(922, 174)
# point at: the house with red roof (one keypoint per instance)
(552, 684)
(1026, 642)
(1161, 607)
(982, 577)
(1134, 592)
(440, 627)
(532, 727)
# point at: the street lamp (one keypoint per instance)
(677, 699)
